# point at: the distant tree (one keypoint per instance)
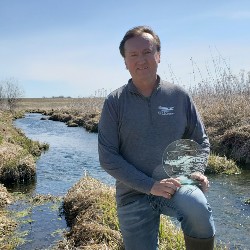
(2, 96)
(11, 93)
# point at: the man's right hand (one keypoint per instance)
(165, 188)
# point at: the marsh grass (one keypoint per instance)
(221, 165)
(73, 106)
(170, 237)
(16, 165)
(5, 197)
(17, 152)
(10, 236)
(84, 112)
(90, 211)
(7, 224)
(223, 100)
(7, 229)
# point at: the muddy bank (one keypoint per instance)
(15, 164)
(17, 152)
(89, 121)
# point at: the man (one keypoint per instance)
(133, 133)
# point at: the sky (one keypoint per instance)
(71, 47)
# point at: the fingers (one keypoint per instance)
(205, 186)
(171, 183)
(168, 195)
(165, 188)
(204, 183)
(198, 176)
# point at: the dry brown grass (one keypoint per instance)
(7, 228)
(222, 98)
(7, 225)
(5, 197)
(17, 152)
(90, 212)
(16, 164)
(74, 112)
(73, 106)
(224, 104)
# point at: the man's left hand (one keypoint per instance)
(204, 183)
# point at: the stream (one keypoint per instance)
(73, 152)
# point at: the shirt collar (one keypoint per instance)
(132, 88)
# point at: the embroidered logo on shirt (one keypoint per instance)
(165, 110)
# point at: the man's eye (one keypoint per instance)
(148, 52)
(133, 55)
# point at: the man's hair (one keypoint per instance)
(138, 31)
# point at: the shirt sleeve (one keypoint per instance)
(195, 128)
(109, 156)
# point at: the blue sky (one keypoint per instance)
(70, 47)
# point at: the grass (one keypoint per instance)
(74, 112)
(86, 112)
(10, 221)
(223, 100)
(17, 164)
(7, 229)
(7, 224)
(17, 152)
(90, 211)
(221, 165)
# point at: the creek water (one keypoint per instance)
(73, 151)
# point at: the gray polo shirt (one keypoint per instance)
(134, 131)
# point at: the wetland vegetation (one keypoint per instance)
(91, 215)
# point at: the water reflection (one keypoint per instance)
(23, 187)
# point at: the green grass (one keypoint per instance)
(221, 165)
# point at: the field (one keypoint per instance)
(73, 105)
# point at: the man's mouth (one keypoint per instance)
(142, 68)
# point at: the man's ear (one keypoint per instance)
(125, 64)
(158, 57)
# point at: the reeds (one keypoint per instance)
(90, 212)
(223, 100)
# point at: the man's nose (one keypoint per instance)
(141, 58)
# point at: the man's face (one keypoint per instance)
(141, 57)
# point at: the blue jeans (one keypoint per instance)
(139, 220)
